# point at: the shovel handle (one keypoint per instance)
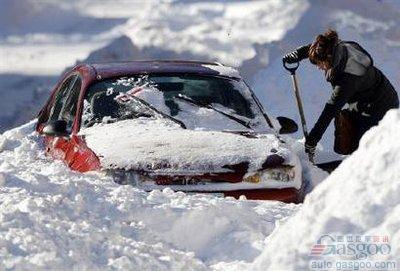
(311, 158)
(291, 69)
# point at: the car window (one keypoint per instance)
(206, 91)
(111, 98)
(68, 110)
(64, 106)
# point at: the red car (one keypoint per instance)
(191, 126)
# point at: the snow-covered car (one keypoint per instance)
(191, 126)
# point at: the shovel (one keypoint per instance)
(292, 71)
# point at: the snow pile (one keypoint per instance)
(53, 218)
(224, 30)
(43, 37)
(360, 197)
(161, 147)
(69, 30)
(50, 216)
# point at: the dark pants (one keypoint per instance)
(364, 123)
(384, 103)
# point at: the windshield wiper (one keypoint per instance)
(190, 100)
(159, 112)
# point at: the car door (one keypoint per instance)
(55, 145)
(71, 149)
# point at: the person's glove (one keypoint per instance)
(309, 149)
(310, 145)
(291, 57)
(297, 55)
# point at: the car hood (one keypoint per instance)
(162, 147)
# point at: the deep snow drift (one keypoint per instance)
(52, 217)
(360, 197)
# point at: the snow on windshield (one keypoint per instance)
(122, 99)
(201, 118)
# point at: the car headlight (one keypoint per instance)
(280, 174)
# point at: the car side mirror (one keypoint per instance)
(56, 128)
(288, 126)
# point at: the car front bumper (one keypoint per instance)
(290, 191)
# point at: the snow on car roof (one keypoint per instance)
(106, 70)
(224, 70)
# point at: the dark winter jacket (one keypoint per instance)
(355, 81)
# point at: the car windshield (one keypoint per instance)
(193, 100)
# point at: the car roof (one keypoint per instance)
(113, 69)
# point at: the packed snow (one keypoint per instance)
(53, 218)
(143, 144)
(360, 197)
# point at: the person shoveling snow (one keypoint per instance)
(356, 81)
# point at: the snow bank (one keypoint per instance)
(42, 31)
(161, 147)
(225, 30)
(52, 218)
(360, 198)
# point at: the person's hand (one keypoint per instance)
(310, 145)
(310, 149)
(297, 55)
(291, 57)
